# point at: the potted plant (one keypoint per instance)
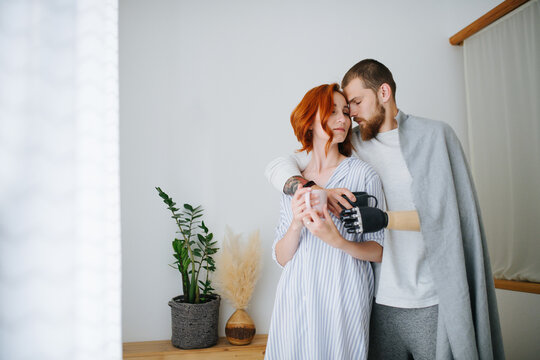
(194, 314)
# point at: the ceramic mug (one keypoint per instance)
(321, 194)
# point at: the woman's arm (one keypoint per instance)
(365, 250)
(286, 247)
(326, 231)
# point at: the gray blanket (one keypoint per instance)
(444, 195)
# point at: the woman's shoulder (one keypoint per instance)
(361, 174)
(356, 164)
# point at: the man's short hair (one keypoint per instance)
(372, 73)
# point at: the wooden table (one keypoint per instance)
(163, 350)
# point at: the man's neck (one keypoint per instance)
(390, 122)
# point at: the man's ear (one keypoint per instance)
(385, 93)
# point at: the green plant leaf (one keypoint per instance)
(177, 246)
(204, 228)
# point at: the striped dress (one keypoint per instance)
(323, 298)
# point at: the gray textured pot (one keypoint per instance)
(194, 326)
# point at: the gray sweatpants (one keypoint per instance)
(403, 334)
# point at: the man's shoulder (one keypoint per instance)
(418, 123)
(422, 121)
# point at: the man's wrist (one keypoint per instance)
(292, 184)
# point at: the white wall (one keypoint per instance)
(206, 91)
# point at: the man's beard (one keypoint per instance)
(370, 128)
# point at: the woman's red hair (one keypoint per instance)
(319, 99)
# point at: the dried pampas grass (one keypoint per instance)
(238, 267)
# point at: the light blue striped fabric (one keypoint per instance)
(323, 299)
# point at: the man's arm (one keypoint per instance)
(280, 171)
(335, 196)
(284, 174)
(292, 184)
(403, 220)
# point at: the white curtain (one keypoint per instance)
(59, 184)
(502, 71)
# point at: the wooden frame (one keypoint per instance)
(493, 15)
(522, 286)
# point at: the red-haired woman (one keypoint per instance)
(323, 299)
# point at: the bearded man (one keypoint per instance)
(434, 296)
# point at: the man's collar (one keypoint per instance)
(400, 117)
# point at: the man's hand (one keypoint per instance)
(364, 219)
(335, 198)
(323, 228)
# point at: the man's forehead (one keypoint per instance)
(354, 89)
(354, 95)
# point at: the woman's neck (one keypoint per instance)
(322, 165)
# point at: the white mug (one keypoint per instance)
(321, 194)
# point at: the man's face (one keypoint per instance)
(365, 108)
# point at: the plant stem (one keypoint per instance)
(202, 260)
(186, 278)
(196, 300)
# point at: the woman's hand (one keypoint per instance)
(324, 228)
(299, 208)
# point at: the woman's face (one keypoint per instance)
(339, 122)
